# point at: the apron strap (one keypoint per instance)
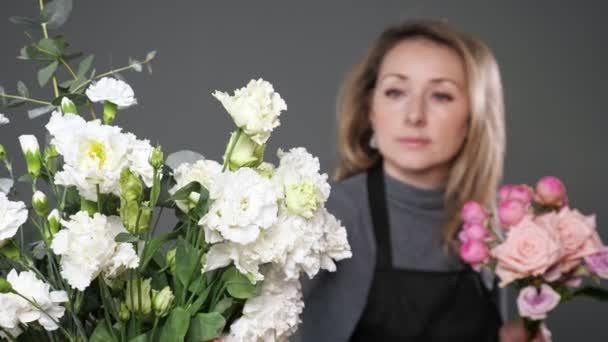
(379, 212)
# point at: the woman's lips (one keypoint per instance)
(414, 142)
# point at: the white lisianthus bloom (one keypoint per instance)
(273, 316)
(30, 287)
(88, 248)
(95, 154)
(254, 108)
(244, 203)
(4, 120)
(202, 171)
(293, 244)
(12, 216)
(305, 188)
(112, 90)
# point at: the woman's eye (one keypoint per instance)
(393, 93)
(443, 97)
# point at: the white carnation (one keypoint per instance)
(30, 287)
(244, 203)
(202, 171)
(271, 317)
(4, 120)
(10, 307)
(112, 90)
(305, 188)
(12, 216)
(95, 154)
(254, 108)
(88, 248)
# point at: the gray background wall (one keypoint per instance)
(552, 56)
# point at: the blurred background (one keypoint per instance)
(552, 56)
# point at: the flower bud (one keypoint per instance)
(54, 221)
(170, 258)
(67, 106)
(5, 286)
(476, 231)
(40, 203)
(550, 191)
(473, 212)
(474, 252)
(511, 213)
(162, 301)
(265, 170)
(246, 153)
(2, 153)
(123, 312)
(156, 158)
(31, 151)
(145, 306)
(50, 158)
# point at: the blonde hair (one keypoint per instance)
(476, 170)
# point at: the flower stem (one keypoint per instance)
(34, 304)
(130, 66)
(28, 99)
(153, 329)
(231, 148)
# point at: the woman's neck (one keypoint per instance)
(428, 179)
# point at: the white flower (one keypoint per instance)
(305, 189)
(293, 244)
(112, 90)
(254, 108)
(243, 204)
(88, 248)
(12, 216)
(27, 285)
(202, 171)
(10, 306)
(4, 120)
(95, 154)
(271, 317)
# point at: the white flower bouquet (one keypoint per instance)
(83, 262)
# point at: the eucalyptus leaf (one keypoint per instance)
(72, 56)
(151, 55)
(57, 12)
(25, 21)
(78, 99)
(175, 159)
(205, 327)
(45, 74)
(52, 46)
(6, 184)
(76, 84)
(85, 65)
(176, 326)
(2, 98)
(22, 89)
(15, 103)
(36, 112)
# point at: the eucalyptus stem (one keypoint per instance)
(23, 98)
(46, 36)
(108, 73)
(67, 66)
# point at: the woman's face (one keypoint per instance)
(419, 109)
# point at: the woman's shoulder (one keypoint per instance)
(348, 198)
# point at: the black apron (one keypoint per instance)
(417, 305)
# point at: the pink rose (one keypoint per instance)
(463, 236)
(536, 303)
(473, 212)
(597, 263)
(474, 252)
(511, 212)
(577, 233)
(522, 193)
(529, 250)
(553, 274)
(476, 231)
(551, 191)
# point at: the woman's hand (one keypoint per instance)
(515, 331)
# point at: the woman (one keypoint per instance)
(421, 131)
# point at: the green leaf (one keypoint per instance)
(52, 46)
(238, 285)
(77, 84)
(184, 192)
(176, 326)
(125, 237)
(57, 12)
(155, 192)
(202, 206)
(25, 178)
(2, 98)
(223, 305)
(78, 99)
(153, 245)
(85, 65)
(187, 264)
(593, 292)
(101, 333)
(33, 23)
(198, 303)
(72, 56)
(205, 327)
(151, 55)
(45, 74)
(22, 89)
(140, 338)
(10, 251)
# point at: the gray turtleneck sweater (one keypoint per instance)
(335, 301)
